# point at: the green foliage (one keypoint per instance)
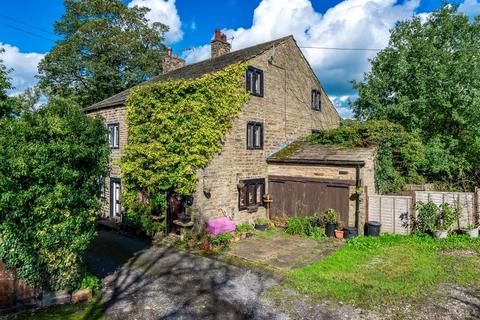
(90, 281)
(222, 239)
(431, 217)
(105, 48)
(261, 221)
(389, 271)
(50, 162)
(7, 104)
(174, 128)
(427, 80)
(330, 216)
(244, 227)
(303, 226)
(399, 153)
(143, 223)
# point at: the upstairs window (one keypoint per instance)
(254, 135)
(254, 81)
(113, 135)
(251, 193)
(316, 102)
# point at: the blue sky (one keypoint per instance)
(349, 23)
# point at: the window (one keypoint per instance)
(113, 135)
(115, 191)
(254, 135)
(316, 102)
(251, 193)
(315, 131)
(101, 186)
(254, 81)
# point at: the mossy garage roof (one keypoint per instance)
(305, 152)
(195, 70)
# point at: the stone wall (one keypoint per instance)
(113, 115)
(286, 113)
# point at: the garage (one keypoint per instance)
(305, 179)
(297, 196)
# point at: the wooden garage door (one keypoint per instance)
(305, 197)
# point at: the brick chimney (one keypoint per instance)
(219, 44)
(171, 63)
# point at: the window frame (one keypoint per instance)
(101, 182)
(251, 185)
(113, 206)
(316, 100)
(251, 84)
(252, 126)
(114, 135)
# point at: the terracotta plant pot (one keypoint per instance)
(440, 234)
(473, 233)
(206, 246)
(339, 234)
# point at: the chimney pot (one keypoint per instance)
(218, 34)
(171, 63)
(175, 56)
(219, 44)
(169, 52)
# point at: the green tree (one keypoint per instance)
(7, 104)
(50, 163)
(428, 80)
(105, 48)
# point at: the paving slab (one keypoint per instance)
(282, 251)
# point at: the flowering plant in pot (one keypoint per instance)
(330, 222)
(472, 230)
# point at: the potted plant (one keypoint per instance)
(339, 234)
(261, 224)
(330, 222)
(472, 231)
(445, 219)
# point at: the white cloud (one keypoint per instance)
(24, 67)
(349, 24)
(470, 7)
(163, 11)
(342, 104)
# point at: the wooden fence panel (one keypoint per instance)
(391, 212)
(464, 199)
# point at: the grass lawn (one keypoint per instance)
(92, 310)
(391, 269)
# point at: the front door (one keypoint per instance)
(115, 190)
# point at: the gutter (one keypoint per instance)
(356, 163)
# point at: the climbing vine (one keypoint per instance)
(400, 154)
(174, 128)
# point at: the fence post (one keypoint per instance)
(475, 205)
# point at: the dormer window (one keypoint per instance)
(316, 100)
(254, 81)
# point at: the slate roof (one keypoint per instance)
(195, 70)
(304, 152)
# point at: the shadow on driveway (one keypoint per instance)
(141, 281)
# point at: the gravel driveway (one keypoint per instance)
(152, 283)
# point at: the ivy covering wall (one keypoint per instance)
(400, 154)
(174, 128)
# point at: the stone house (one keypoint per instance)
(287, 102)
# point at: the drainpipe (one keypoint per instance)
(357, 198)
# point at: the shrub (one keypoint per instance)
(51, 160)
(222, 239)
(303, 226)
(431, 217)
(330, 216)
(143, 223)
(90, 281)
(244, 227)
(261, 221)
